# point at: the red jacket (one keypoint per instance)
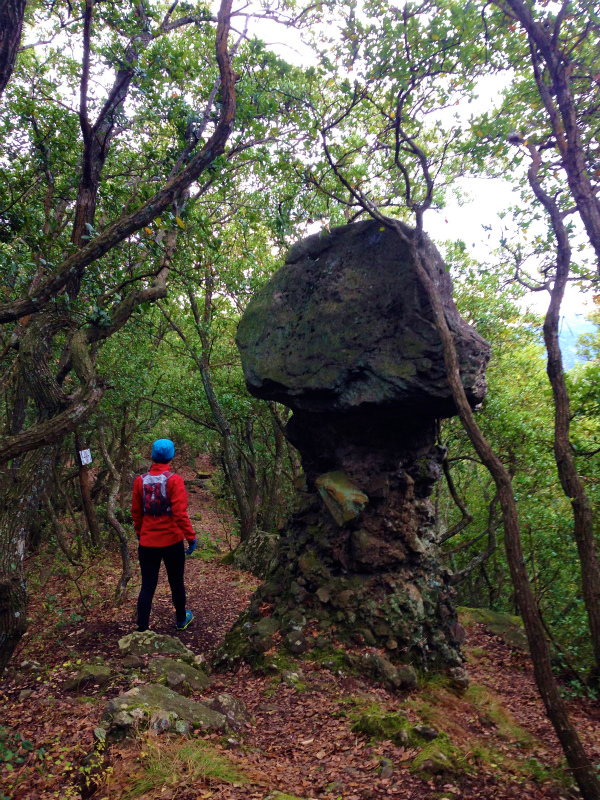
(167, 529)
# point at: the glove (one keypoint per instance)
(191, 547)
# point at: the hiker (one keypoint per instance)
(161, 522)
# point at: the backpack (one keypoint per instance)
(155, 500)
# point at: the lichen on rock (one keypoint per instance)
(154, 705)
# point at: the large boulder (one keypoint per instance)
(345, 322)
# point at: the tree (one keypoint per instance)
(394, 145)
(52, 340)
(12, 14)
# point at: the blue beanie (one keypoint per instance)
(163, 451)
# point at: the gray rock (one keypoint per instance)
(89, 674)
(435, 765)
(295, 642)
(267, 626)
(459, 678)
(380, 669)
(132, 662)
(176, 682)
(407, 677)
(24, 694)
(123, 720)
(256, 553)
(426, 732)
(183, 727)
(163, 666)
(31, 666)
(140, 644)
(158, 706)
(342, 497)
(352, 298)
(232, 708)
(344, 335)
(162, 721)
(370, 551)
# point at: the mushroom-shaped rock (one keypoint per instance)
(344, 335)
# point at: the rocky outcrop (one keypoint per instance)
(343, 335)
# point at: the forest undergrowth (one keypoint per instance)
(302, 740)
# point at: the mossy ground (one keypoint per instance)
(490, 705)
(172, 764)
(507, 626)
(458, 749)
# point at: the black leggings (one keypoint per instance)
(150, 558)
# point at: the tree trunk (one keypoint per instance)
(127, 571)
(583, 517)
(59, 533)
(20, 496)
(577, 759)
(12, 13)
(86, 495)
(247, 514)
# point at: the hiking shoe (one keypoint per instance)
(181, 626)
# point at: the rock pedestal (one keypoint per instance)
(343, 335)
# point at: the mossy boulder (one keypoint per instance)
(394, 726)
(402, 677)
(232, 708)
(256, 553)
(439, 757)
(147, 642)
(195, 678)
(89, 674)
(154, 705)
(344, 322)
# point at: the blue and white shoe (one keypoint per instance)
(181, 626)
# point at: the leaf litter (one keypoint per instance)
(298, 742)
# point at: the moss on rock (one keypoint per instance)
(394, 727)
(439, 757)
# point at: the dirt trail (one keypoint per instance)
(299, 742)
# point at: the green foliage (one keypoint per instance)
(14, 749)
(177, 764)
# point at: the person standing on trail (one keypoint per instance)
(161, 522)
